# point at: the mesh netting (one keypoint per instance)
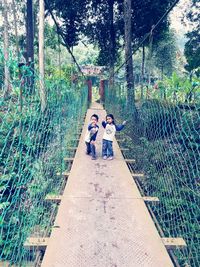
(33, 145)
(164, 138)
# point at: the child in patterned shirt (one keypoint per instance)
(108, 136)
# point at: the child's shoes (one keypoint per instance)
(104, 157)
(110, 158)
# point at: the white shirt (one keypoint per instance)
(91, 133)
(109, 132)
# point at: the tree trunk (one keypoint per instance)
(30, 32)
(128, 56)
(72, 70)
(16, 31)
(150, 58)
(162, 72)
(112, 43)
(41, 56)
(142, 72)
(30, 42)
(59, 59)
(7, 84)
(18, 58)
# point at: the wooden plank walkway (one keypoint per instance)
(102, 220)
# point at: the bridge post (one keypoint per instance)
(89, 83)
(102, 90)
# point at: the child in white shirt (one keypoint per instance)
(108, 136)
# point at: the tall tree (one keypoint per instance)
(41, 55)
(192, 51)
(164, 54)
(142, 71)
(30, 43)
(101, 29)
(16, 28)
(145, 16)
(192, 46)
(7, 84)
(30, 32)
(128, 54)
(112, 40)
(72, 14)
(103, 22)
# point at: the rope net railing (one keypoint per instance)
(163, 136)
(33, 145)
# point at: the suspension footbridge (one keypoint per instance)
(102, 219)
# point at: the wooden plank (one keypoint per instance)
(173, 243)
(38, 259)
(119, 133)
(137, 174)
(24, 263)
(68, 159)
(151, 199)
(130, 161)
(120, 140)
(124, 149)
(36, 243)
(72, 148)
(53, 198)
(6, 264)
(66, 174)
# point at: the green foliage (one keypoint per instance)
(164, 53)
(145, 15)
(177, 89)
(32, 148)
(103, 23)
(192, 46)
(86, 54)
(73, 17)
(51, 38)
(192, 51)
(63, 74)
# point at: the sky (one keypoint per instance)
(176, 15)
(177, 25)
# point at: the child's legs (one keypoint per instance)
(88, 148)
(93, 150)
(104, 148)
(110, 148)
